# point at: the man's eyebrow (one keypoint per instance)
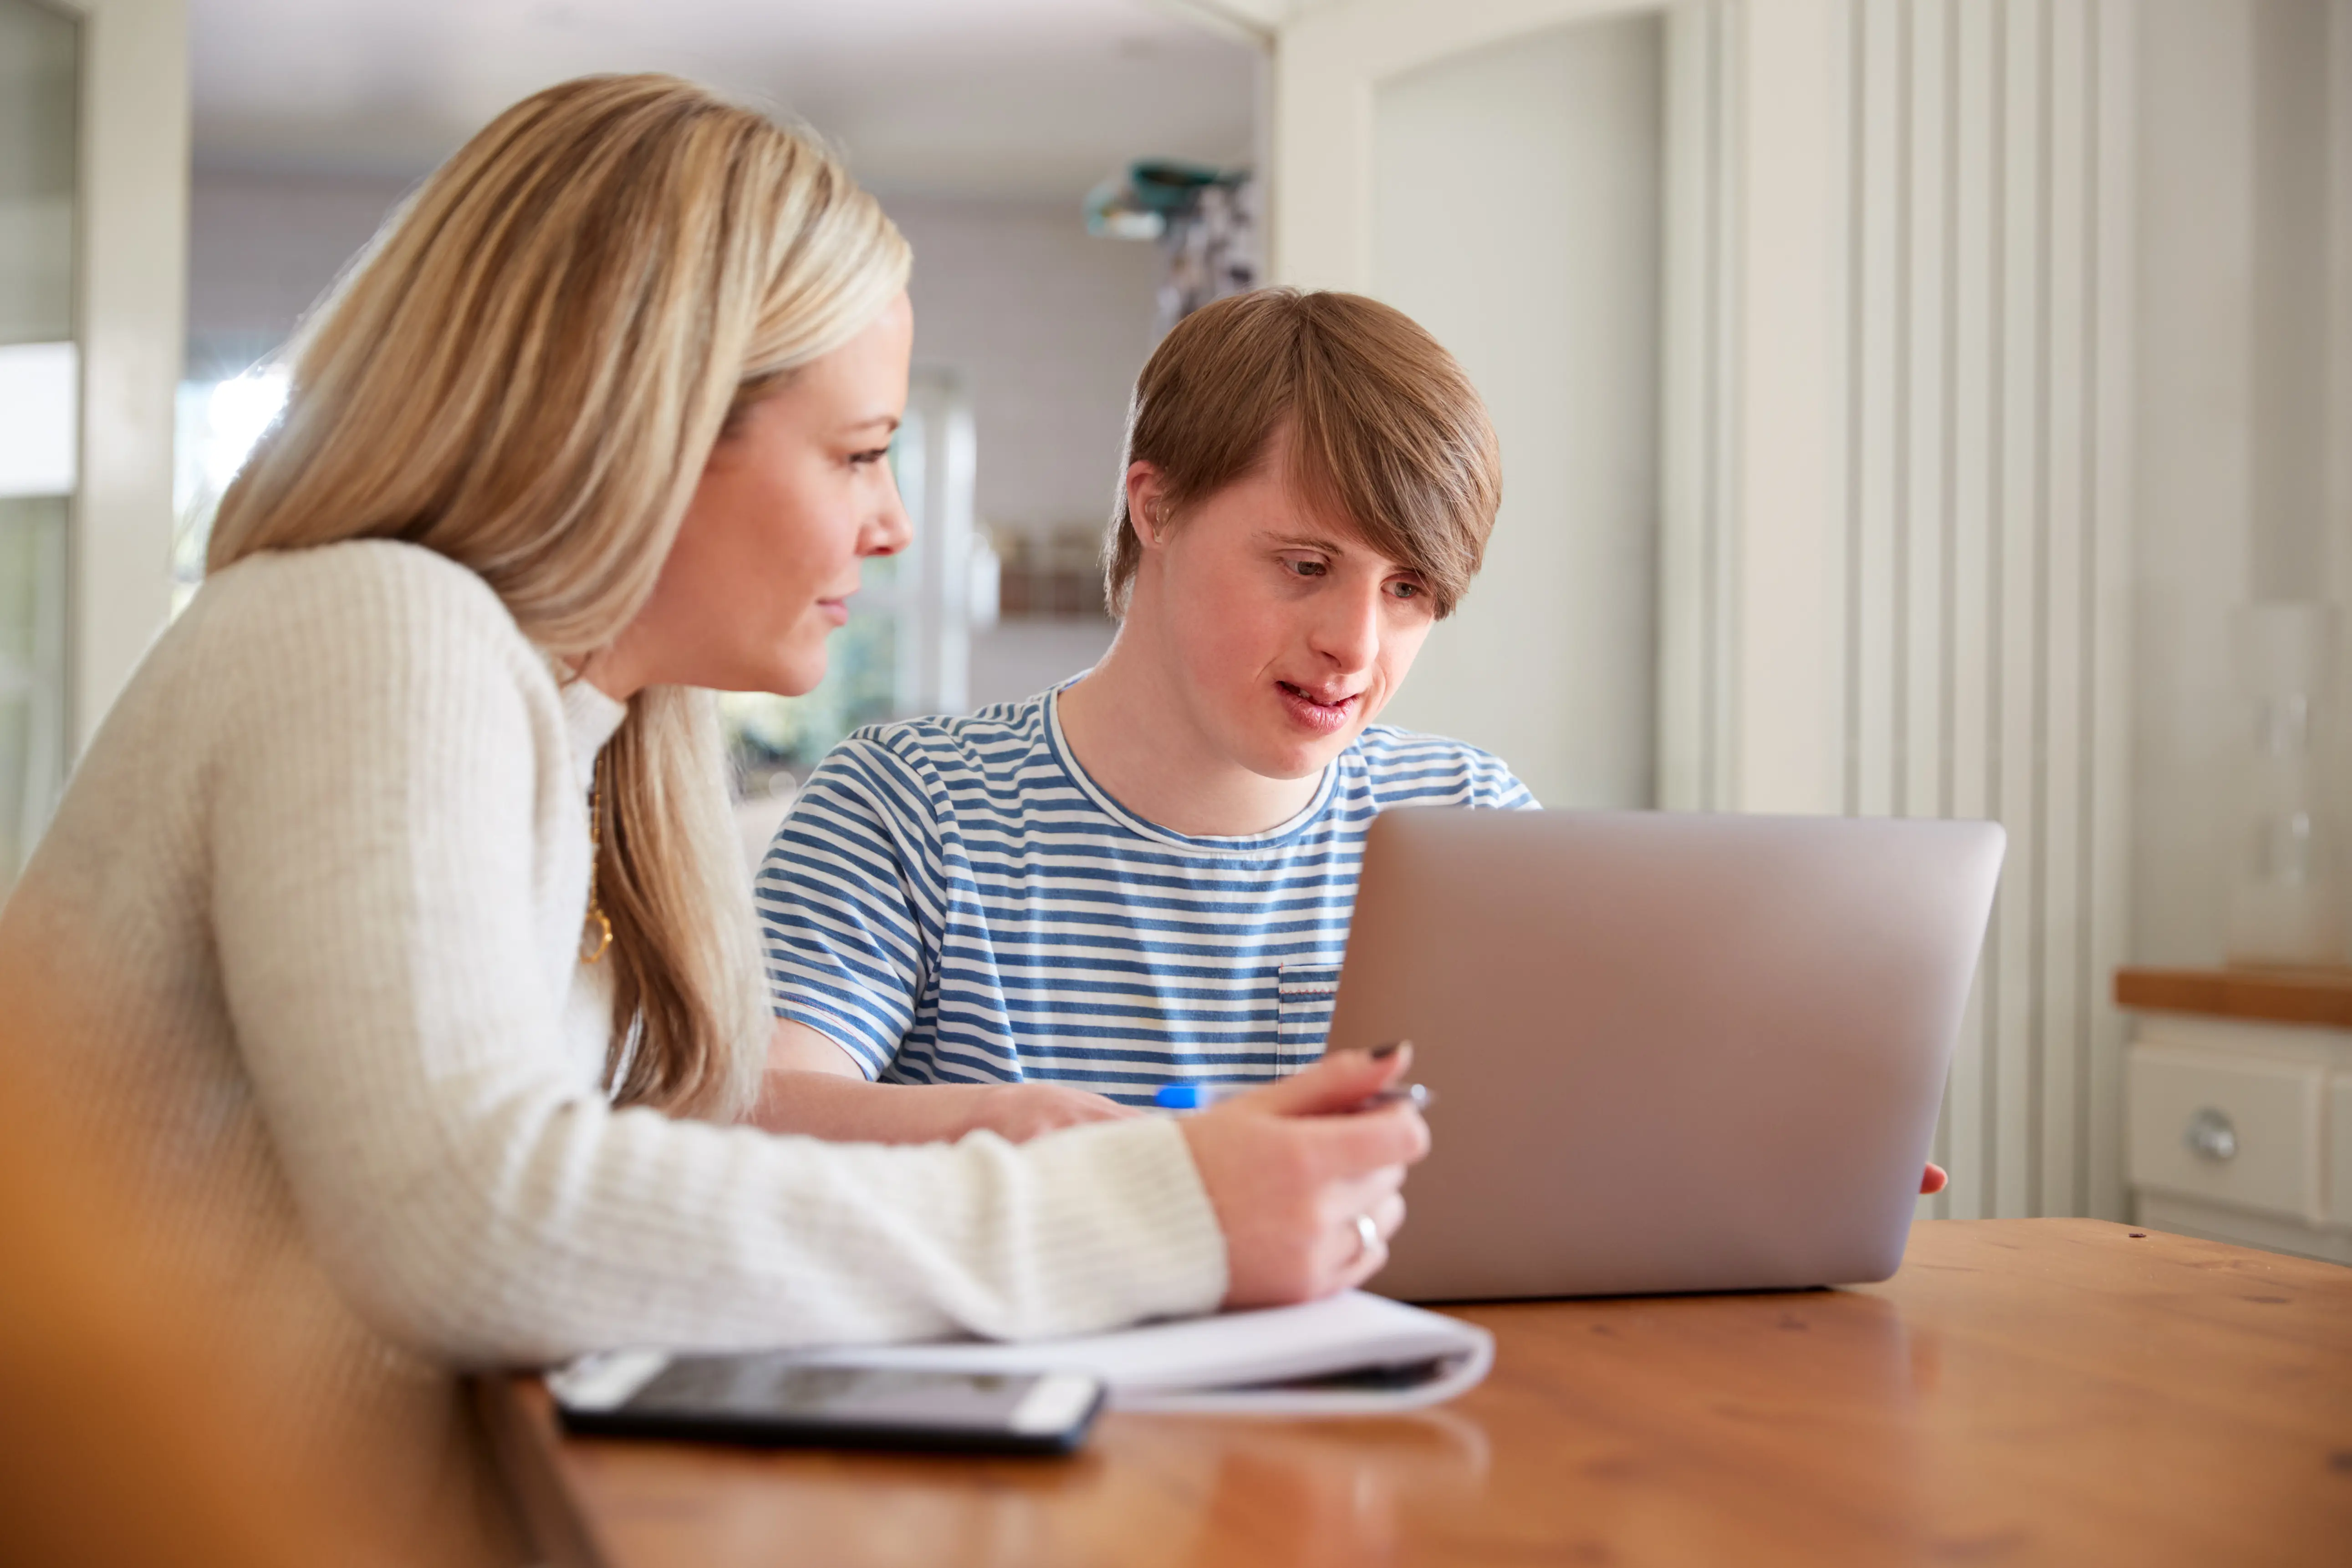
(1336, 545)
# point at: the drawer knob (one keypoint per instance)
(2210, 1135)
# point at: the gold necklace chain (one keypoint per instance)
(597, 931)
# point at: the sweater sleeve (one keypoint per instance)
(381, 915)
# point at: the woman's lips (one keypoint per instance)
(835, 610)
(1313, 713)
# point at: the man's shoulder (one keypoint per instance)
(980, 742)
(1407, 767)
(939, 756)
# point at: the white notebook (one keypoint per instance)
(1283, 1361)
(1351, 1354)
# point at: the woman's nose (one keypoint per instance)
(891, 529)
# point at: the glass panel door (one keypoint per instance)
(39, 408)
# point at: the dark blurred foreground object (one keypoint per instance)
(139, 1410)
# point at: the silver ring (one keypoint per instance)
(1368, 1235)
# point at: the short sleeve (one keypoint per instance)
(1494, 787)
(848, 900)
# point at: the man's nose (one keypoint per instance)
(1348, 632)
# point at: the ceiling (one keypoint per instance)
(985, 99)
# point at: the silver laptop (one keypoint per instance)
(1669, 1052)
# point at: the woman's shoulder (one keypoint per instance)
(1405, 767)
(373, 602)
(355, 583)
(378, 622)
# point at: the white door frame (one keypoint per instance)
(130, 294)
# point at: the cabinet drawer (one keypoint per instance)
(2231, 1130)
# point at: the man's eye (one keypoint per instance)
(1407, 590)
(1306, 568)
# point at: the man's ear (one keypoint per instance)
(1147, 501)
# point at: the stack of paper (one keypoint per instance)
(1274, 1361)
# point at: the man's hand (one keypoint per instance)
(1020, 1111)
(813, 1087)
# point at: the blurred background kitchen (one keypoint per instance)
(1916, 406)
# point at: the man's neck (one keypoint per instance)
(1129, 725)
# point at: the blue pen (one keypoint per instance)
(1200, 1095)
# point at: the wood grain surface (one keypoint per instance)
(2321, 996)
(2025, 1391)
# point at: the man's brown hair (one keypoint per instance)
(1387, 435)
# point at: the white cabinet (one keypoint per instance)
(2241, 1131)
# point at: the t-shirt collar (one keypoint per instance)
(1244, 844)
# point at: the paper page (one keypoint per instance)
(1212, 1364)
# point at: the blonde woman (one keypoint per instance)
(391, 929)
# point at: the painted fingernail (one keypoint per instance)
(1382, 1052)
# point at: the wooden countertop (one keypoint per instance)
(2322, 996)
(2023, 1392)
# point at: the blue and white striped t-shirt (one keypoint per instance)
(954, 900)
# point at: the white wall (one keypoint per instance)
(262, 249)
(2234, 431)
(1049, 325)
(1517, 194)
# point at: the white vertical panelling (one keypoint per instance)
(1975, 353)
(1696, 548)
(2061, 734)
(1923, 784)
(2109, 368)
(1980, 352)
(1967, 447)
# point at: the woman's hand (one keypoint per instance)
(1289, 1167)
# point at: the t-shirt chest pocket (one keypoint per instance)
(1307, 992)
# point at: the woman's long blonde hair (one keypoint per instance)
(525, 372)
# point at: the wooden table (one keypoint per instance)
(2025, 1391)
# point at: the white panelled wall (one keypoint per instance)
(1978, 377)
(1893, 557)
(1986, 395)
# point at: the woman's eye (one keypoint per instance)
(859, 459)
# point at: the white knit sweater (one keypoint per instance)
(308, 924)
